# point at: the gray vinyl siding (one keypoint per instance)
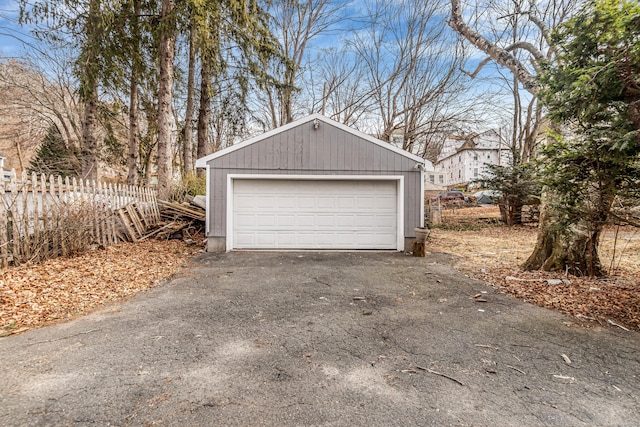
(304, 150)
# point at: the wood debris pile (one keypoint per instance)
(184, 211)
(63, 288)
(178, 221)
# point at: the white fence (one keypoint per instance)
(45, 217)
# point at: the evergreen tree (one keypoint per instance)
(518, 185)
(55, 157)
(593, 90)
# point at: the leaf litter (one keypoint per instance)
(60, 289)
(495, 254)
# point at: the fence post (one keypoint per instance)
(37, 204)
(13, 217)
(4, 235)
(25, 236)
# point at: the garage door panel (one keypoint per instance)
(287, 202)
(326, 202)
(287, 239)
(244, 202)
(306, 202)
(286, 221)
(305, 220)
(265, 239)
(245, 220)
(294, 214)
(345, 221)
(262, 202)
(266, 220)
(244, 240)
(345, 202)
(326, 220)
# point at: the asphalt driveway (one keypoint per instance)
(331, 339)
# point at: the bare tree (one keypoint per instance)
(519, 41)
(34, 100)
(296, 24)
(338, 87)
(412, 70)
(188, 162)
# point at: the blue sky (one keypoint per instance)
(11, 33)
(12, 36)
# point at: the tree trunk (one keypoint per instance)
(572, 250)
(204, 113)
(132, 170)
(89, 141)
(165, 89)
(511, 212)
(188, 165)
(89, 92)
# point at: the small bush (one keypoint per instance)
(192, 185)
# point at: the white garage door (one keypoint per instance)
(293, 214)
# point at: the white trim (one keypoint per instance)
(400, 196)
(229, 231)
(207, 223)
(421, 198)
(201, 162)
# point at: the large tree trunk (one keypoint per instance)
(573, 249)
(132, 170)
(188, 164)
(89, 140)
(165, 92)
(204, 113)
(89, 92)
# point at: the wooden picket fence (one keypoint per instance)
(46, 217)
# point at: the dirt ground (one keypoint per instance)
(331, 339)
(492, 252)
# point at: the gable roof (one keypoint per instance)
(202, 162)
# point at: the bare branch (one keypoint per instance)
(500, 55)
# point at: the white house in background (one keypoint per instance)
(465, 158)
(434, 181)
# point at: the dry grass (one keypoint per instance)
(508, 246)
(495, 253)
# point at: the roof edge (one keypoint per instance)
(202, 162)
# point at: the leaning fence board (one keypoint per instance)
(42, 217)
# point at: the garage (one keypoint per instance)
(315, 214)
(313, 184)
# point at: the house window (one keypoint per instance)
(459, 159)
(459, 174)
(441, 179)
(475, 172)
(475, 156)
(432, 179)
